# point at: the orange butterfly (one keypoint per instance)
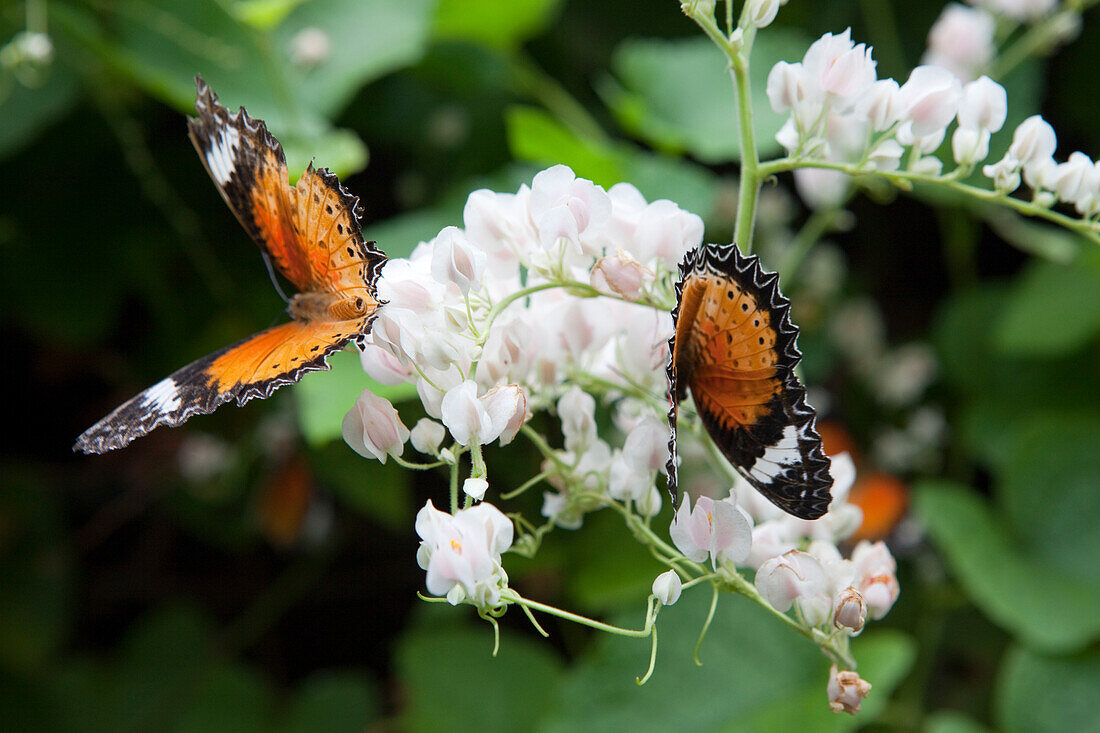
(734, 346)
(311, 232)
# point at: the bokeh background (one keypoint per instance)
(249, 572)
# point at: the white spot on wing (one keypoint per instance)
(164, 396)
(222, 154)
(783, 453)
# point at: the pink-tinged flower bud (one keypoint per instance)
(1034, 140)
(770, 539)
(880, 592)
(475, 488)
(875, 570)
(720, 529)
(783, 580)
(383, 367)
(507, 408)
(984, 105)
(667, 587)
(930, 98)
(839, 68)
(427, 435)
(850, 610)
(455, 260)
(620, 274)
(373, 428)
(882, 105)
(846, 691)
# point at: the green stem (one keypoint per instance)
(454, 487)
(515, 597)
(1038, 39)
(1088, 229)
(750, 162)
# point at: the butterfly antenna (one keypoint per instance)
(274, 280)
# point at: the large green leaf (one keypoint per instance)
(1043, 606)
(497, 23)
(1053, 309)
(678, 95)
(454, 684)
(756, 675)
(535, 136)
(1039, 694)
(26, 112)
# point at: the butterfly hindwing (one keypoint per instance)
(734, 347)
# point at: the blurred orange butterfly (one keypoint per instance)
(733, 346)
(311, 233)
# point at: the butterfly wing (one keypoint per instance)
(310, 231)
(734, 347)
(252, 368)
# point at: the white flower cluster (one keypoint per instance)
(746, 529)
(491, 321)
(840, 112)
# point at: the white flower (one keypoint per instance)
(882, 106)
(1033, 141)
(761, 13)
(462, 553)
(930, 99)
(454, 260)
(310, 47)
(821, 188)
(383, 367)
(577, 412)
(1074, 179)
(667, 587)
(373, 428)
(984, 105)
(790, 577)
(875, 570)
(846, 691)
(1019, 9)
(465, 415)
(427, 435)
(886, 156)
(475, 488)
(717, 528)
(646, 448)
(969, 145)
(787, 87)
(507, 408)
(566, 208)
(961, 40)
(770, 539)
(842, 70)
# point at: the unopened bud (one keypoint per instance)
(850, 610)
(667, 587)
(620, 274)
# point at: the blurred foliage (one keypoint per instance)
(151, 590)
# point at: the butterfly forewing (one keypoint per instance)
(734, 348)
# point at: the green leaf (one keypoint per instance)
(678, 95)
(496, 23)
(454, 683)
(609, 569)
(1037, 694)
(377, 491)
(755, 672)
(536, 136)
(325, 397)
(1045, 608)
(949, 721)
(332, 701)
(1054, 309)
(26, 112)
(226, 698)
(1048, 489)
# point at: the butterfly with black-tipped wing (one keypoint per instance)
(310, 232)
(733, 346)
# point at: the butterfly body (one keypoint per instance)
(734, 348)
(310, 232)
